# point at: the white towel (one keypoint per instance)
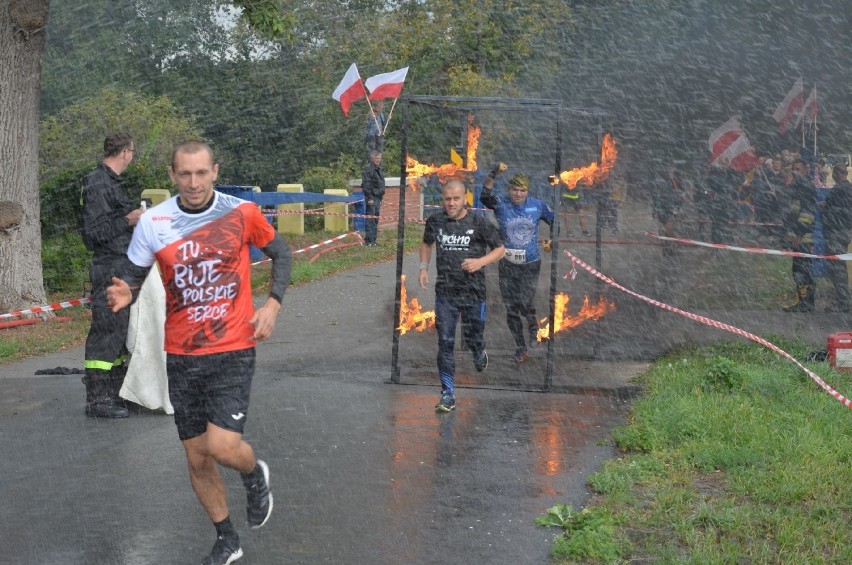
(146, 382)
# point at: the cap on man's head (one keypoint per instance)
(520, 180)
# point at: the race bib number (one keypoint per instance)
(517, 256)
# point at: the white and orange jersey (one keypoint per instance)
(205, 265)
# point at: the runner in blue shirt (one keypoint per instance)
(518, 216)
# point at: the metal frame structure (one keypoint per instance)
(469, 104)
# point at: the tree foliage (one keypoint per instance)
(74, 137)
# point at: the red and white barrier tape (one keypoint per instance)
(709, 322)
(87, 300)
(320, 244)
(757, 250)
(48, 308)
(337, 214)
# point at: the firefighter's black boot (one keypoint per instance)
(804, 299)
(116, 380)
(99, 400)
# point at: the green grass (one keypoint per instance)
(762, 282)
(732, 455)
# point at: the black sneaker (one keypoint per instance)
(446, 404)
(481, 362)
(224, 552)
(520, 355)
(586, 234)
(259, 499)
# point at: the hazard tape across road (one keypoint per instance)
(88, 300)
(320, 244)
(336, 214)
(713, 323)
(48, 308)
(757, 250)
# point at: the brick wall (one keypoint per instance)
(390, 203)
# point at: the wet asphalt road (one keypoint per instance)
(363, 471)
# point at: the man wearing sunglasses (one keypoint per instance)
(109, 216)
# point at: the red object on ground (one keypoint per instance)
(332, 248)
(31, 321)
(840, 351)
(15, 323)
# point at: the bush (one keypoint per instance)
(724, 375)
(61, 196)
(74, 136)
(61, 206)
(65, 263)
(319, 179)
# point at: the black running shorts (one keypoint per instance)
(210, 388)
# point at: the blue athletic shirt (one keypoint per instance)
(519, 225)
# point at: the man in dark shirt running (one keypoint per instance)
(465, 244)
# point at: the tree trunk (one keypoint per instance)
(22, 41)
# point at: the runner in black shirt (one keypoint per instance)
(463, 241)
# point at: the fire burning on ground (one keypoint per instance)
(593, 173)
(411, 316)
(414, 169)
(563, 320)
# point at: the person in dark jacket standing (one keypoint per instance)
(836, 223)
(723, 185)
(108, 219)
(464, 243)
(800, 234)
(373, 185)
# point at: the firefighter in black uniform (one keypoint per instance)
(836, 223)
(800, 226)
(108, 219)
(723, 184)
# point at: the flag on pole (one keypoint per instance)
(386, 85)
(791, 105)
(728, 144)
(350, 89)
(809, 108)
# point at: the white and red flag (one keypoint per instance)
(809, 108)
(386, 85)
(728, 144)
(350, 89)
(790, 106)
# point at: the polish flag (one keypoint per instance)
(788, 107)
(728, 144)
(349, 90)
(809, 108)
(386, 85)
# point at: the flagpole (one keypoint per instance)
(816, 110)
(375, 117)
(387, 122)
